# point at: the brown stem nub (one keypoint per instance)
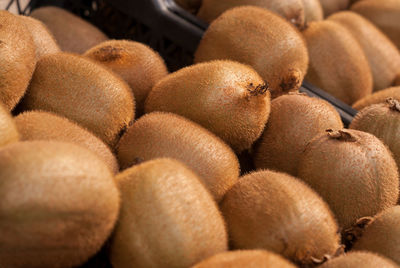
(393, 104)
(261, 89)
(341, 135)
(352, 234)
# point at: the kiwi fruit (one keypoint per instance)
(383, 121)
(313, 10)
(59, 204)
(17, 54)
(385, 14)
(337, 63)
(82, 91)
(277, 212)
(8, 129)
(331, 6)
(167, 218)
(72, 33)
(294, 120)
(291, 10)
(353, 171)
(159, 134)
(228, 98)
(253, 36)
(42, 37)
(39, 125)
(382, 235)
(382, 55)
(245, 258)
(139, 65)
(358, 259)
(378, 97)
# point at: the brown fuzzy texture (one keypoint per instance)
(228, 98)
(72, 33)
(8, 129)
(385, 14)
(82, 91)
(382, 236)
(291, 10)
(337, 63)
(353, 171)
(277, 212)
(313, 10)
(139, 65)
(332, 6)
(59, 204)
(39, 125)
(359, 259)
(17, 54)
(245, 258)
(253, 36)
(382, 55)
(159, 134)
(167, 219)
(294, 120)
(44, 40)
(383, 121)
(378, 97)
(397, 80)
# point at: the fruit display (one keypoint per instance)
(199, 133)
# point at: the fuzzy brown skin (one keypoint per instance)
(382, 236)
(39, 125)
(265, 210)
(397, 80)
(382, 55)
(8, 129)
(385, 14)
(167, 218)
(59, 204)
(337, 63)
(45, 42)
(17, 54)
(383, 121)
(82, 91)
(377, 97)
(139, 65)
(294, 120)
(159, 134)
(72, 33)
(353, 171)
(245, 258)
(313, 10)
(228, 98)
(253, 36)
(291, 10)
(359, 259)
(332, 6)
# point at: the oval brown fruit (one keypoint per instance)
(228, 98)
(358, 259)
(378, 97)
(353, 171)
(167, 219)
(294, 120)
(59, 204)
(277, 212)
(280, 59)
(139, 65)
(159, 134)
(82, 91)
(39, 125)
(18, 59)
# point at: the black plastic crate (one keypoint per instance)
(164, 26)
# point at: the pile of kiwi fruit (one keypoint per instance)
(108, 159)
